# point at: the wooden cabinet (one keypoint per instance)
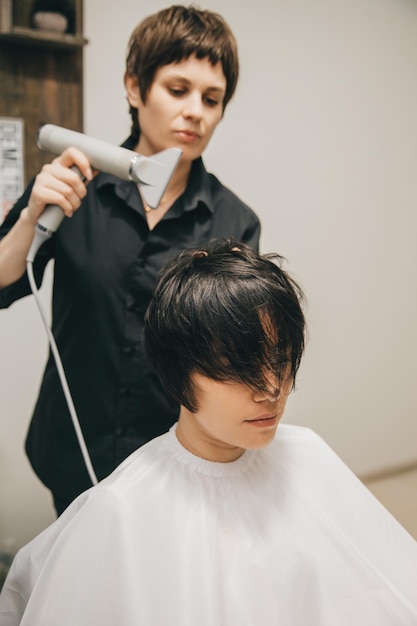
(41, 76)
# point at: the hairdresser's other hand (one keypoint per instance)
(58, 184)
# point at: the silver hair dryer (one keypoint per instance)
(152, 174)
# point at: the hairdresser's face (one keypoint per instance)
(182, 109)
(231, 418)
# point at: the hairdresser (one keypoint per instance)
(181, 72)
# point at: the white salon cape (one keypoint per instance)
(284, 536)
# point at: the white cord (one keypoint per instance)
(62, 378)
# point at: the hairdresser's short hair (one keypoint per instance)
(228, 313)
(174, 34)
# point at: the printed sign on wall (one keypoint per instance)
(11, 163)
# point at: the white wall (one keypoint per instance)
(321, 140)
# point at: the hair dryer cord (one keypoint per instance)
(63, 379)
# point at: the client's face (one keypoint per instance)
(231, 418)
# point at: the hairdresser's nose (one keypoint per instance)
(193, 106)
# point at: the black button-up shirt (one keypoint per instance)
(106, 265)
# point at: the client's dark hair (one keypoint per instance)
(227, 313)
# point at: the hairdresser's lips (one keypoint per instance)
(187, 136)
(264, 421)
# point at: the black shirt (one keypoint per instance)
(106, 265)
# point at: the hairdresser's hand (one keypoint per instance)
(58, 184)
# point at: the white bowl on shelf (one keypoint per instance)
(46, 20)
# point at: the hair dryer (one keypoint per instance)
(152, 174)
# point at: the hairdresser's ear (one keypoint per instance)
(132, 90)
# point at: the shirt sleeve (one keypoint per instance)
(21, 287)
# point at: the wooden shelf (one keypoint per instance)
(31, 37)
(16, 27)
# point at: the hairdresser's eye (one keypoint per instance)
(177, 92)
(212, 101)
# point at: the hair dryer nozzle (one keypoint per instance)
(153, 174)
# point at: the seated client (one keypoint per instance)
(228, 519)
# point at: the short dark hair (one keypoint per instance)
(174, 34)
(225, 312)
